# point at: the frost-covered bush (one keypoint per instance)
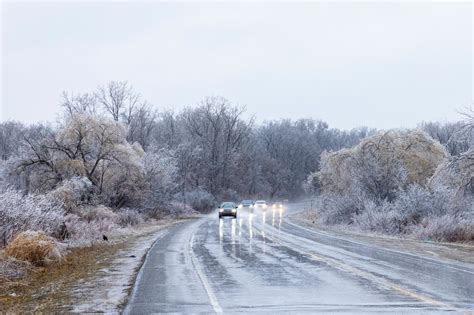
(129, 217)
(96, 213)
(88, 223)
(446, 228)
(336, 209)
(415, 210)
(179, 209)
(20, 213)
(75, 192)
(379, 217)
(86, 233)
(199, 200)
(417, 202)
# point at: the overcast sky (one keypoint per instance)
(351, 64)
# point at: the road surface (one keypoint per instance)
(263, 262)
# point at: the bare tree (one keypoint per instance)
(119, 100)
(11, 134)
(141, 125)
(77, 104)
(218, 128)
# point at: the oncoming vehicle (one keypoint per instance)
(260, 204)
(246, 204)
(277, 205)
(227, 209)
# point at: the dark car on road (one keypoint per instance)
(228, 209)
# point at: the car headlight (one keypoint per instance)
(233, 210)
(221, 210)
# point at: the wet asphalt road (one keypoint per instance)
(263, 262)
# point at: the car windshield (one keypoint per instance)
(260, 201)
(246, 202)
(227, 205)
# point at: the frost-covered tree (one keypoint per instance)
(453, 136)
(382, 164)
(456, 173)
(85, 146)
(119, 100)
(218, 129)
(161, 177)
(11, 133)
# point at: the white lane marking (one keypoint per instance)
(215, 304)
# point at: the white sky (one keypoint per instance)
(382, 65)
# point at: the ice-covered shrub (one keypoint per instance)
(336, 209)
(20, 212)
(35, 247)
(179, 209)
(85, 233)
(75, 192)
(417, 202)
(378, 217)
(199, 200)
(128, 217)
(96, 213)
(434, 213)
(447, 228)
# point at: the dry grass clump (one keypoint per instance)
(34, 247)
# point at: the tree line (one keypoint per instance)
(122, 152)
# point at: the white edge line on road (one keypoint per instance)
(215, 304)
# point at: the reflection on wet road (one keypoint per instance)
(261, 261)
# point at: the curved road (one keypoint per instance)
(263, 262)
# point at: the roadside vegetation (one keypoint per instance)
(111, 162)
(402, 182)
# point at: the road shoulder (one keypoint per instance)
(455, 252)
(92, 279)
